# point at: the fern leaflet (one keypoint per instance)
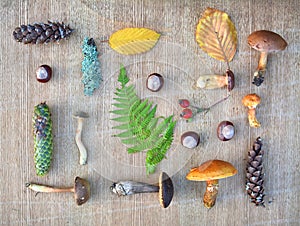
(139, 127)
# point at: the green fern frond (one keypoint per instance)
(141, 130)
(123, 79)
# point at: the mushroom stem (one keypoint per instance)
(210, 196)
(262, 63)
(253, 122)
(211, 81)
(259, 74)
(80, 116)
(124, 188)
(48, 189)
(81, 147)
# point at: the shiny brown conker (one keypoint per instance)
(190, 139)
(155, 82)
(43, 73)
(225, 131)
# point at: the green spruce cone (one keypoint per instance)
(255, 174)
(39, 33)
(42, 134)
(91, 73)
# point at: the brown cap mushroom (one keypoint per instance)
(81, 189)
(211, 171)
(216, 81)
(251, 101)
(265, 42)
(165, 189)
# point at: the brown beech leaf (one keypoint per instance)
(216, 35)
(133, 40)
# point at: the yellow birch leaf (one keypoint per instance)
(216, 35)
(133, 40)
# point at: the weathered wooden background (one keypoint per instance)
(178, 58)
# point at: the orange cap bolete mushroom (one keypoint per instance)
(165, 189)
(265, 42)
(211, 171)
(251, 101)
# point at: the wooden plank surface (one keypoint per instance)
(178, 58)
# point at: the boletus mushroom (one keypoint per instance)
(216, 81)
(165, 189)
(81, 189)
(265, 42)
(211, 171)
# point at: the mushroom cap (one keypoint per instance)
(80, 114)
(211, 170)
(266, 41)
(81, 190)
(230, 80)
(251, 100)
(166, 190)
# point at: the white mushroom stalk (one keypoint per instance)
(80, 116)
(165, 189)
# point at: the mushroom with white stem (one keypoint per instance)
(81, 189)
(211, 171)
(265, 42)
(251, 101)
(165, 189)
(216, 81)
(80, 116)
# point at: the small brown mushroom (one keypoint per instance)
(225, 130)
(216, 81)
(81, 189)
(211, 171)
(251, 101)
(80, 116)
(155, 82)
(165, 189)
(190, 139)
(265, 42)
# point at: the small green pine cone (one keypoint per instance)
(91, 77)
(43, 140)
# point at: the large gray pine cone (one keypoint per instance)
(255, 174)
(40, 33)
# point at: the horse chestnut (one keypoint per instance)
(43, 73)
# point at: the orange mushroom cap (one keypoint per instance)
(251, 100)
(212, 170)
(266, 41)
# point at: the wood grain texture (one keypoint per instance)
(179, 59)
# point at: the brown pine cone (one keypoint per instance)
(40, 33)
(255, 174)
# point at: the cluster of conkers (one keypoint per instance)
(225, 132)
